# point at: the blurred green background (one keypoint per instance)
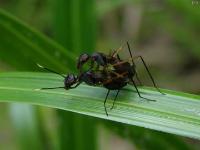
(166, 34)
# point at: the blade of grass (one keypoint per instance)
(9, 56)
(175, 112)
(21, 47)
(67, 24)
(75, 24)
(88, 25)
(63, 22)
(74, 27)
(30, 47)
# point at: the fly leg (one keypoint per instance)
(139, 92)
(151, 77)
(105, 102)
(115, 100)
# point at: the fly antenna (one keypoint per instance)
(50, 70)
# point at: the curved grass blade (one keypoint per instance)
(75, 26)
(175, 112)
(29, 46)
(22, 47)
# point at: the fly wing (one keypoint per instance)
(110, 79)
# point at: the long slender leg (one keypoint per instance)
(118, 57)
(51, 88)
(139, 92)
(59, 87)
(105, 102)
(133, 63)
(137, 77)
(115, 100)
(150, 75)
(130, 52)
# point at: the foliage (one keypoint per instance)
(176, 113)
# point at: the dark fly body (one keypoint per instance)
(121, 74)
(109, 71)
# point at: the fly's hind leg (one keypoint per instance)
(114, 100)
(105, 102)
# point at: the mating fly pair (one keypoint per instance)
(109, 71)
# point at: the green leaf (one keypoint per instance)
(175, 112)
(22, 44)
(75, 26)
(29, 46)
(22, 47)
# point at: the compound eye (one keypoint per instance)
(82, 59)
(71, 78)
(95, 56)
